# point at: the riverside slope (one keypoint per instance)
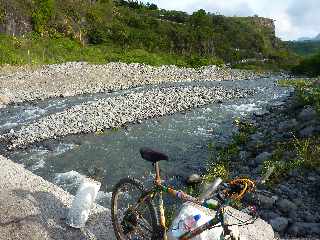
(32, 208)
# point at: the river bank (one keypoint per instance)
(76, 78)
(287, 138)
(32, 208)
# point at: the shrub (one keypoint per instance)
(43, 12)
(309, 66)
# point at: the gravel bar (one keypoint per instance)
(76, 78)
(117, 111)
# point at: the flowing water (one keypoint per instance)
(115, 153)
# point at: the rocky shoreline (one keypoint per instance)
(291, 206)
(76, 78)
(115, 112)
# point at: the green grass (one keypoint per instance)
(219, 162)
(34, 51)
(307, 91)
(307, 153)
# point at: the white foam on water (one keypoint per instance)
(244, 108)
(9, 125)
(32, 113)
(40, 164)
(203, 132)
(63, 147)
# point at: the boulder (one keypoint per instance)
(252, 230)
(307, 114)
(262, 157)
(265, 201)
(304, 229)
(286, 206)
(279, 224)
(288, 125)
(307, 132)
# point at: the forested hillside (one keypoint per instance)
(47, 31)
(304, 48)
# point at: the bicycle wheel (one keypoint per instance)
(128, 223)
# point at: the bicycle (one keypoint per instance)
(139, 219)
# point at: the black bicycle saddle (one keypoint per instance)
(152, 155)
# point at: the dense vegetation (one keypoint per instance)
(304, 48)
(309, 66)
(105, 30)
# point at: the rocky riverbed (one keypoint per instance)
(118, 111)
(76, 78)
(290, 205)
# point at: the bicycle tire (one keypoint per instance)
(118, 224)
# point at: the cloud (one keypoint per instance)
(294, 18)
(305, 17)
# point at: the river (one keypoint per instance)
(115, 153)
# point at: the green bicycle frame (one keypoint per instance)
(160, 189)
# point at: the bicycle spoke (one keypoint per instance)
(147, 226)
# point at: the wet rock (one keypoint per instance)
(307, 132)
(279, 224)
(308, 217)
(257, 136)
(262, 157)
(265, 201)
(307, 114)
(304, 229)
(286, 206)
(193, 179)
(288, 125)
(268, 215)
(243, 155)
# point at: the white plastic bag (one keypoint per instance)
(82, 203)
(191, 209)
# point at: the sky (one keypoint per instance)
(294, 18)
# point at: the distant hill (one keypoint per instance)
(317, 38)
(304, 48)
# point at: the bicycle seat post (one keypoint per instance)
(157, 169)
